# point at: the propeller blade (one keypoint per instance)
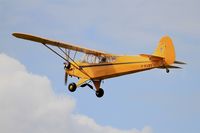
(66, 78)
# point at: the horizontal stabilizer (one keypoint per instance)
(172, 67)
(176, 67)
(152, 57)
(179, 62)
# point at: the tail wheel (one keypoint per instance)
(167, 70)
(100, 92)
(72, 87)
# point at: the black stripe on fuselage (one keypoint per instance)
(111, 64)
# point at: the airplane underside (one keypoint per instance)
(111, 71)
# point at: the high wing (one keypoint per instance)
(60, 44)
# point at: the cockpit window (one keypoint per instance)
(103, 60)
(97, 59)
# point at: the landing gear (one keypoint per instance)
(167, 70)
(100, 92)
(72, 87)
(90, 86)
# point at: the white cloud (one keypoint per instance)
(28, 104)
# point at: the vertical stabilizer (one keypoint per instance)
(166, 50)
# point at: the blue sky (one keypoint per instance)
(163, 102)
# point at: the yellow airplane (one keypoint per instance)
(97, 65)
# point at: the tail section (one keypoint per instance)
(166, 50)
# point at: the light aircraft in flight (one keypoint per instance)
(97, 66)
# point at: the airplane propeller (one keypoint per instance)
(66, 78)
(66, 65)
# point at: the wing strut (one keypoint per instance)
(77, 67)
(66, 55)
(59, 54)
(55, 52)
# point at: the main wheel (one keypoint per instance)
(100, 93)
(72, 87)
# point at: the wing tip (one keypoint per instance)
(18, 34)
(15, 34)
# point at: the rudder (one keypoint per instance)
(166, 50)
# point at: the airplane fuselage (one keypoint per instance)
(121, 66)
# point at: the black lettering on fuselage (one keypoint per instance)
(147, 66)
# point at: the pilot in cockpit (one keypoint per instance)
(103, 60)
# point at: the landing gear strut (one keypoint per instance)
(86, 84)
(99, 91)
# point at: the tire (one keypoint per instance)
(100, 93)
(72, 87)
